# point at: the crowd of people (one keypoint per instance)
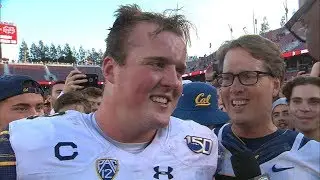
(243, 123)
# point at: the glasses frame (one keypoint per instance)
(302, 11)
(259, 73)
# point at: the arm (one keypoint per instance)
(7, 157)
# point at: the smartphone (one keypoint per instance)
(92, 80)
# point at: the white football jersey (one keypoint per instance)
(65, 147)
(287, 156)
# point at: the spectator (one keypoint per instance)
(303, 94)
(211, 75)
(132, 134)
(94, 97)
(72, 83)
(252, 73)
(199, 102)
(280, 114)
(72, 101)
(20, 97)
(54, 91)
(47, 105)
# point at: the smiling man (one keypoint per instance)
(280, 114)
(252, 146)
(303, 94)
(20, 97)
(131, 135)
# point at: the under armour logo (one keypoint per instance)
(168, 173)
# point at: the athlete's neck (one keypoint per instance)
(117, 130)
(256, 130)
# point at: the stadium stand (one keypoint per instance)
(60, 71)
(37, 72)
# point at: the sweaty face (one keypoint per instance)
(147, 87)
(305, 107)
(21, 106)
(281, 117)
(247, 104)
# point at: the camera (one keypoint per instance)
(92, 80)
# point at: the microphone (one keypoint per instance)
(246, 167)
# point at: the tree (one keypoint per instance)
(94, 55)
(264, 26)
(69, 58)
(81, 54)
(42, 50)
(34, 53)
(59, 52)
(75, 53)
(283, 21)
(100, 57)
(24, 53)
(53, 52)
(66, 49)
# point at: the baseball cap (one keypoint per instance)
(199, 102)
(13, 85)
(279, 102)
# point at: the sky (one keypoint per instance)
(85, 22)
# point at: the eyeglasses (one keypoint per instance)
(297, 25)
(246, 78)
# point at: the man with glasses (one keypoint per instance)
(305, 26)
(252, 146)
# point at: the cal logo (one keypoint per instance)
(107, 169)
(201, 100)
(199, 144)
(25, 90)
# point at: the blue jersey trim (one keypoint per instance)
(7, 157)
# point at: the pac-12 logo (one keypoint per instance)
(199, 144)
(107, 168)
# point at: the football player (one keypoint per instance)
(252, 146)
(131, 135)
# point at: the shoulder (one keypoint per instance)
(193, 136)
(29, 133)
(44, 121)
(192, 143)
(7, 157)
(191, 128)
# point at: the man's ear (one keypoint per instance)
(108, 69)
(276, 87)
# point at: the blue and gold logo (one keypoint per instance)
(107, 169)
(201, 100)
(199, 144)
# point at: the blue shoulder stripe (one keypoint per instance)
(304, 142)
(7, 157)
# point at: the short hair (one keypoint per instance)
(298, 81)
(51, 87)
(71, 98)
(128, 16)
(260, 48)
(92, 92)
